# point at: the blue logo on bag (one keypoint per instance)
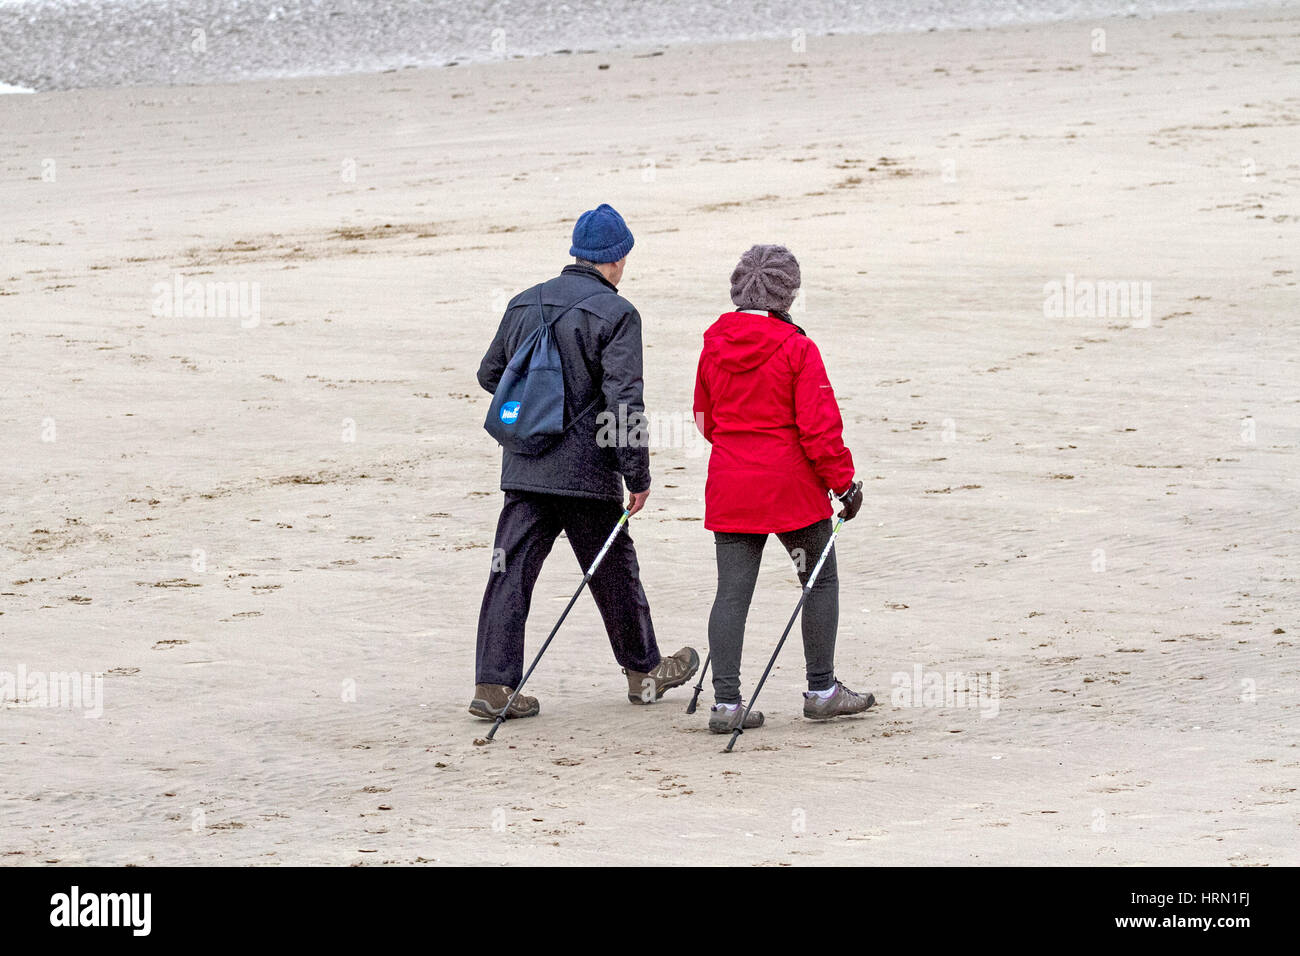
(509, 413)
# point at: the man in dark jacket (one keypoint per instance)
(576, 486)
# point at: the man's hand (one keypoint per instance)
(636, 501)
(851, 499)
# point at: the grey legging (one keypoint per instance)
(739, 556)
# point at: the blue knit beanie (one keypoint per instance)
(601, 235)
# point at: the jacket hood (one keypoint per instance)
(740, 341)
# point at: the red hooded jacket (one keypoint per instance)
(762, 398)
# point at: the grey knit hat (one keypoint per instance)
(766, 277)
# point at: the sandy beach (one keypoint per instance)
(269, 530)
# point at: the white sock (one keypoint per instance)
(726, 707)
(821, 694)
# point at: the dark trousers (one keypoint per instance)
(526, 530)
(739, 556)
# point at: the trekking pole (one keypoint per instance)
(690, 708)
(812, 579)
(547, 643)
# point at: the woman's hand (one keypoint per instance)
(851, 499)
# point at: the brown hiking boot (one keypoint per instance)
(490, 699)
(724, 721)
(842, 703)
(672, 672)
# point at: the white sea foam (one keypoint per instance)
(64, 44)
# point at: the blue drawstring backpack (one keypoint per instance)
(527, 411)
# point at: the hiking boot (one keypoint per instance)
(725, 721)
(840, 704)
(490, 699)
(672, 672)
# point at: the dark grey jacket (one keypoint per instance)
(600, 349)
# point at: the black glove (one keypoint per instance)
(851, 499)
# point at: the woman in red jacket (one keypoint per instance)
(763, 400)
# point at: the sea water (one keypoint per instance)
(68, 44)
